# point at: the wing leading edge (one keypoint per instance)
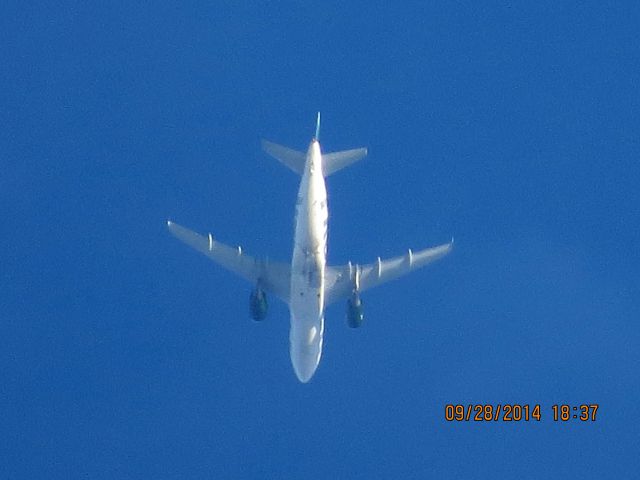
(274, 277)
(342, 280)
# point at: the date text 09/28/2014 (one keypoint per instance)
(514, 412)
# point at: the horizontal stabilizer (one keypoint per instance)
(291, 158)
(332, 162)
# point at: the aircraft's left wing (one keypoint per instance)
(273, 277)
(341, 281)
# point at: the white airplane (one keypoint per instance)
(308, 284)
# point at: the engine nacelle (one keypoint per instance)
(258, 306)
(355, 311)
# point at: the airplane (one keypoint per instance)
(308, 285)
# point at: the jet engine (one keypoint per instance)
(258, 304)
(355, 311)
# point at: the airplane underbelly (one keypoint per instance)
(307, 327)
(306, 295)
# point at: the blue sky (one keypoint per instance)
(512, 127)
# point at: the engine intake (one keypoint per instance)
(355, 311)
(258, 306)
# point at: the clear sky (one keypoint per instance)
(513, 127)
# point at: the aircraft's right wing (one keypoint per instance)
(273, 277)
(341, 281)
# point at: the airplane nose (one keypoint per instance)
(305, 348)
(305, 368)
(305, 360)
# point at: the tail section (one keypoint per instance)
(332, 162)
(295, 160)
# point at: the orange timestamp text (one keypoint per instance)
(515, 412)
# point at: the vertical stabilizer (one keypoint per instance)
(317, 136)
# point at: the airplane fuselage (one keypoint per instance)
(307, 268)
